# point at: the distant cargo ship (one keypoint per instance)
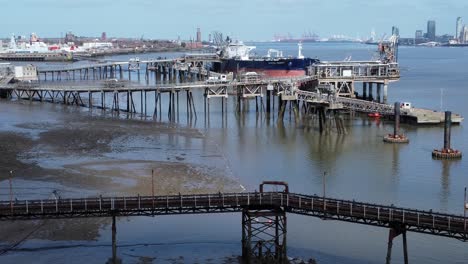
(235, 57)
(306, 37)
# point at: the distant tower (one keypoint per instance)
(395, 31)
(464, 35)
(418, 34)
(199, 35)
(103, 36)
(459, 29)
(209, 38)
(431, 30)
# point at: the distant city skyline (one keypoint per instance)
(243, 19)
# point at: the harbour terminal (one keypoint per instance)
(211, 149)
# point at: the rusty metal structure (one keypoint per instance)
(396, 137)
(264, 234)
(264, 230)
(447, 152)
(264, 215)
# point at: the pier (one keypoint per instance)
(412, 115)
(328, 86)
(344, 75)
(164, 69)
(272, 206)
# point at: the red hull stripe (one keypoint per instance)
(278, 73)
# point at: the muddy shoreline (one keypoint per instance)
(82, 156)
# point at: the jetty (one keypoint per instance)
(264, 215)
(327, 86)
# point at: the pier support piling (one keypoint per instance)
(385, 91)
(364, 90)
(396, 230)
(114, 259)
(396, 137)
(447, 152)
(379, 87)
(264, 235)
(371, 96)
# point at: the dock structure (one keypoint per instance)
(123, 93)
(287, 91)
(189, 73)
(414, 115)
(344, 75)
(6, 74)
(264, 240)
(181, 68)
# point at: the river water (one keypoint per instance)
(243, 150)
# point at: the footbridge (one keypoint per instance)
(262, 212)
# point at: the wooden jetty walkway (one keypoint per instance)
(273, 206)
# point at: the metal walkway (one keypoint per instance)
(422, 116)
(432, 223)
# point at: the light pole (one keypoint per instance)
(323, 181)
(465, 206)
(11, 191)
(324, 203)
(152, 185)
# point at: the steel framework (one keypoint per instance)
(264, 235)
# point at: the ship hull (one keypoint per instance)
(283, 67)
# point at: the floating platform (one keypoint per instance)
(395, 139)
(428, 117)
(446, 154)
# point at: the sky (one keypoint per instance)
(242, 19)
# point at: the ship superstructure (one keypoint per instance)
(235, 57)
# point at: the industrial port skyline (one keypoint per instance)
(261, 21)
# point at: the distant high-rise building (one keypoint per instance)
(198, 35)
(459, 29)
(103, 36)
(431, 30)
(418, 34)
(465, 34)
(209, 38)
(395, 31)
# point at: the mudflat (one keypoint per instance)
(81, 154)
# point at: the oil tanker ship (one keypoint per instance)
(235, 57)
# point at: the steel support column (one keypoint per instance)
(264, 235)
(396, 230)
(385, 88)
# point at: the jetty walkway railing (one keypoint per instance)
(428, 222)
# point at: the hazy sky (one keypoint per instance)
(244, 19)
